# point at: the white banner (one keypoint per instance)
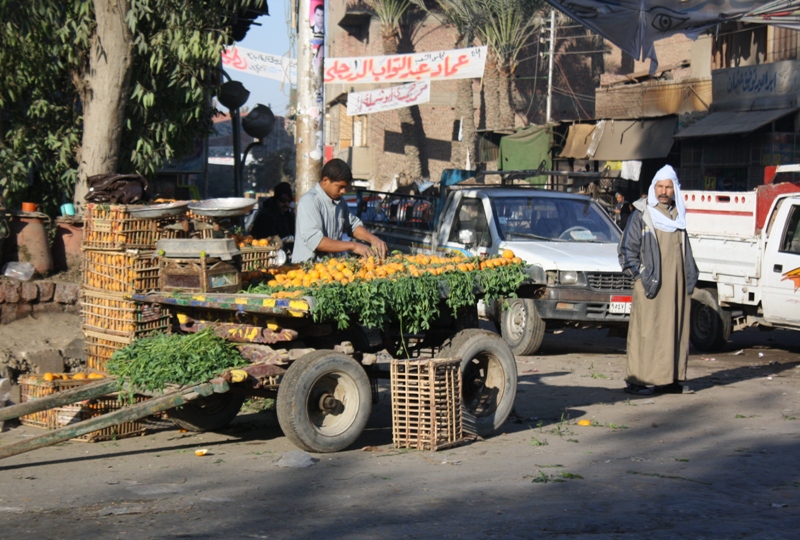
(386, 99)
(438, 65)
(261, 64)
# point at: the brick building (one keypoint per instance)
(373, 144)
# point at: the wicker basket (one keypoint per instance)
(129, 272)
(35, 387)
(110, 313)
(111, 227)
(426, 403)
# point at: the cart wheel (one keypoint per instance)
(208, 413)
(521, 326)
(324, 401)
(489, 379)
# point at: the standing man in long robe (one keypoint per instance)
(655, 250)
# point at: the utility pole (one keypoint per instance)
(310, 95)
(550, 70)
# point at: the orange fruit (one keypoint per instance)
(508, 254)
(47, 377)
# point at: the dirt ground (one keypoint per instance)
(719, 463)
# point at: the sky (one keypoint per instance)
(273, 37)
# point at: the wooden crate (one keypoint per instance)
(111, 227)
(426, 403)
(205, 274)
(130, 271)
(35, 387)
(258, 257)
(99, 348)
(111, 314)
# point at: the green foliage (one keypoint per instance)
(44, 58)
(153, 362)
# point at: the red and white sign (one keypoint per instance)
(439, 65)
(385, 99)
(260, 64)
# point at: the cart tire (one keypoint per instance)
(209, 413)
(489, 379)
(521, 326)
(324, 402)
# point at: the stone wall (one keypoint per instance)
(21, 299)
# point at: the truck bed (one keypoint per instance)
(733, 263)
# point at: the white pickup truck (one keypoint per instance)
(747, 248)
(568, 239)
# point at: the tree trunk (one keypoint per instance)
(104, 93)
(505, 89)
(491, 93)
(408, 127)
(465, 113)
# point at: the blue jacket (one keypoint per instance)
(640, 257)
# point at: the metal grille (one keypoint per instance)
(609, 281)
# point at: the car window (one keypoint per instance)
(791, 236)
(528, 217)
(471, 216)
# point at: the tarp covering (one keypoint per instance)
(525, 149)
(633, 25)
(783, 13)
(731, 122)
(625, 140)
(582, 140)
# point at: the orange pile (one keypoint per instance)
(344, 271)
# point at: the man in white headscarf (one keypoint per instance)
(655, 251)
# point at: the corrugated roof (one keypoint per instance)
(731, 122)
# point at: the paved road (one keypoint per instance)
(720, 463)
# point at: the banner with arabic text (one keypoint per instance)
(386, 99)
(437, 65)
(260, 64)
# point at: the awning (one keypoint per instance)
(526, 149)
(579, 141)
(626, 140)
(729, 122)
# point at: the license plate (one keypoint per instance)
(620, 305)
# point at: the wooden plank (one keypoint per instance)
(127, 414)
(79, 393)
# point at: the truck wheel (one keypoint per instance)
(489, 379)
(209, 413)
(710, 325)
(521, 326)
(324, 401)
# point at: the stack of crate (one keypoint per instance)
(118, 260)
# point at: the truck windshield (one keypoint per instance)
(553, 220)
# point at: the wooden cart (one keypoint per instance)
(323, 379)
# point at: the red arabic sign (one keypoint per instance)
(438, 65)
(385, 99)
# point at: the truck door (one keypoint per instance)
(781, 286)
(470, 231)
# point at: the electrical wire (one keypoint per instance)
(566, 80)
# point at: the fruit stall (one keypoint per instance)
(205, 331)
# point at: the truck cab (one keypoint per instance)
(747, 249)
(568, 239)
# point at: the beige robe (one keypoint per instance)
(658, 333)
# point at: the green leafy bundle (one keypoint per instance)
(153, 362)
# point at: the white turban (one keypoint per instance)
(660, 221)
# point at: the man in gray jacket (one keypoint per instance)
(655, 250)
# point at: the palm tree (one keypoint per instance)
(507, 30)
(464, 16)
(391, 14)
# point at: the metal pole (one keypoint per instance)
(310, 95)
(550, 71)
(236, 124)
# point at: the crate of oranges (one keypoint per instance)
(34, 387)
(257, 253)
